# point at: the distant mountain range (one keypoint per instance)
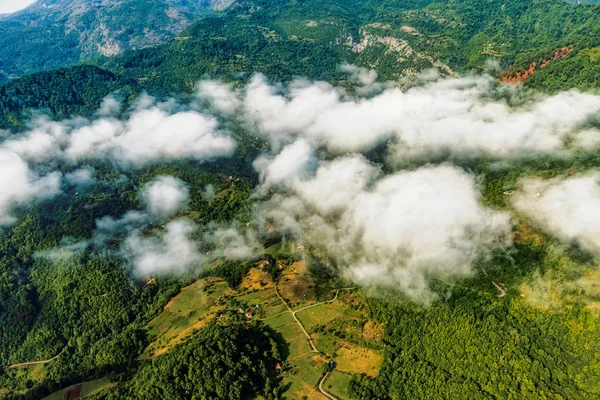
(56, 33)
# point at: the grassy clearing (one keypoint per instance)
(280, 320)
(191, 309)
(308, 368)
(349, 357)
(280, 250)
(285, 325)
(356, 360)
(87, 389)
(321, 314)
(297, 389)
(373, 332)
(326, 343)
(337, 384)
(256, 280)
(296, 285)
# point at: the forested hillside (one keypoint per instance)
(395, 38)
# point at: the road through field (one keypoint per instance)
(310, 340)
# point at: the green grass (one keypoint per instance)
(296, 389)
(337, 384)
(274, 309)
(280, 250)
(320, 315)
(188, 307)
(285, 325)
(280, 320)
(308, 369)
(260, 297)
(298, 345)
(273, 250)
(326, 343)
(191, 305)
(189, 300)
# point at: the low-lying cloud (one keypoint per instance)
(152, 133)
(378, 224)
(20, 185)
(566, 207)
(165, 196)
(400, 230)
(171, 252)
(464, 116)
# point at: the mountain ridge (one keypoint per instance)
(56, 33)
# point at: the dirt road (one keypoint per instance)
(35, 362)
(310, 340)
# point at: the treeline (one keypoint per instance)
(63, 93)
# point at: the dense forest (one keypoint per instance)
(222, 362)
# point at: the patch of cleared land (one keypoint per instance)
(337, 384)
(191, 309)
(340, 329)
(285, 325)
(297, 389)
(296, 285)
(309, 368)
(87, 389)
(256, 280)
(355, 359)
(321, 315)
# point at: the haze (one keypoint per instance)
(10, 6)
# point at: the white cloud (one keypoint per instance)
(20, 185)
(336, 183)
(230, 242)
(221, 97)
(566, 207)
(165, 196)
(281, 118)
(399, 231)
(171, 252)
(81, 177)
(293, 162)
(151, 135)
(110, 107)
(458, 115)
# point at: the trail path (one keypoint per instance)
(35, 362)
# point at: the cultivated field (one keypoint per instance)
(87, 389)
(339, 328)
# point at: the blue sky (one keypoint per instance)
(8, 6)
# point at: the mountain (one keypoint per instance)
(56, 33)
(557, 42)
(548, 44)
